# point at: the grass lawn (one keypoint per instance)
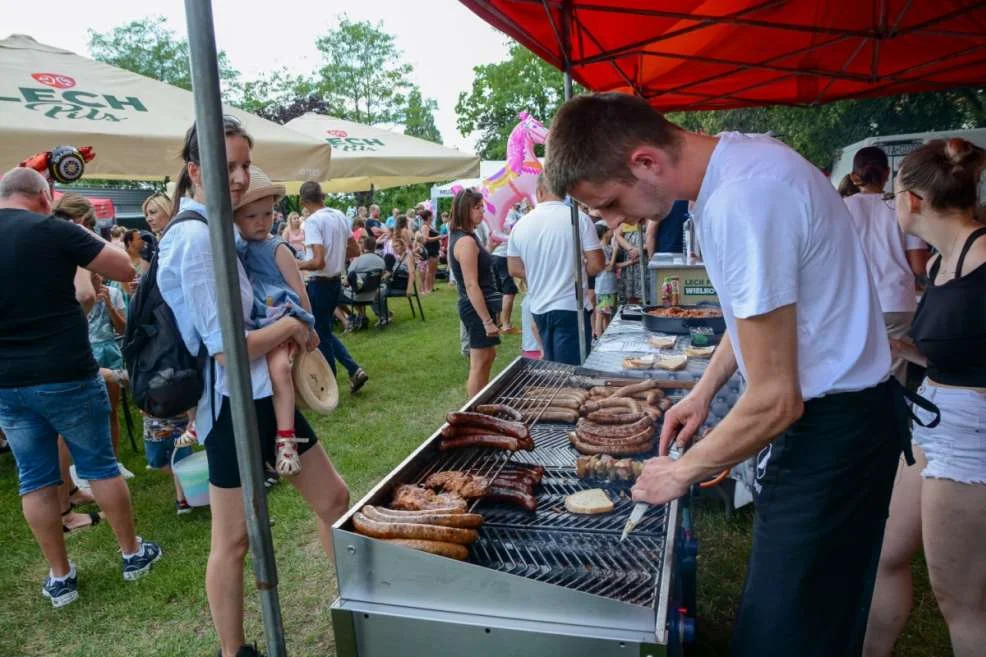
(416, 375)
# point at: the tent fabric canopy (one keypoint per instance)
(50, 96)
(364, 156)
(705, 54)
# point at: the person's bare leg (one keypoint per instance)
(282, 382)
(324, 490)
(65, 496)
(954, 524)
(113, 391)
(113, 498)
(506, 311)
(43, 515)
(480, 363)
(224, 571)
(892, 594)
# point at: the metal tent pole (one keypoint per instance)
(212, 146)
(576, 232)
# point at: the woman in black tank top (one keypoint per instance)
(479, 302)
(943, 505)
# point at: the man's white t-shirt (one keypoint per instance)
(774, 232)
(885, 247)
(329, 228)
(542, 239)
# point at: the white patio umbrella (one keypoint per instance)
(50, 96)
(364, 156)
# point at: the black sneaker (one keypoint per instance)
(61, 592)
(244, 651)
(357, 381)
(138, 565)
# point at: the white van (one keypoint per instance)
(896, 147)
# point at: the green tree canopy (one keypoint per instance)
(419, 117)
(148, 47)
(502, 89)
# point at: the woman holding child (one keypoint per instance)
(187, 283)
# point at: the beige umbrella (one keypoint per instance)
(363, 156)
(50, 96)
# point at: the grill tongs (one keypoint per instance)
(641, 508)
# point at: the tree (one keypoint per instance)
(501, 90)
(419, 117)
(363, 79)
(148, 47)
(281, 97)
(819, 132)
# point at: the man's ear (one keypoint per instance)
(648, 158)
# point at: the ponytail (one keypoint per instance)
(945, 172)
(183, 185)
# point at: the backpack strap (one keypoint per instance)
(181, 217)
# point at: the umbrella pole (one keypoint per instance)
(212, 146)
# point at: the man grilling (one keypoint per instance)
(805, 330)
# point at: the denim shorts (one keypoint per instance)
(956, 448)
(160, 435)
(32, 417)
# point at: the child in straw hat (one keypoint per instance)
(278, 290)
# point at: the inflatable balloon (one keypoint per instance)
(518, 179)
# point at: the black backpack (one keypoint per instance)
(165, 378)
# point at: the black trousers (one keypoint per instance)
(822, 498)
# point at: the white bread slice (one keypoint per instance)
(662, 341)
(699, 352)
(673, 363)
(591, 501)
(642, 363)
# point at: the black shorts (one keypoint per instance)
(221, 448)
(474, 324)
(501, 276)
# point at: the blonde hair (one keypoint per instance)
(159, 201)
(117, 231)
(292, 216)
(77, 208)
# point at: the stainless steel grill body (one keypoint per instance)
(548, 583)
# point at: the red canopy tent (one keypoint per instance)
(701, 55)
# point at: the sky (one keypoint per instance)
(441, 38)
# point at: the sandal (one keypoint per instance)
(288, 461)
(88, 499)
(94, 518)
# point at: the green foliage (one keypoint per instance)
(281, 96)
(419, 117)
(502, 89)
(363, 78)
(148, 47)
(819, 132)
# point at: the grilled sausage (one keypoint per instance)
(632, 405)
(653, 397)
(481, 440)
(586, 448)
(614, 430)
(524, 500)
(528, 478)
(463, 520)
(521, 485)
(494, 424)
(628, 391)
(647, 435)
(665, 404)
(553, 414)
(391, 529)
(450, 550)
(613, 417)
(534, 472)
(500, 409)
(448, 431)
(654, 413)
(542, 391)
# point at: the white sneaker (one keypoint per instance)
(124, 472)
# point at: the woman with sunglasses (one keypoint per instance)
(187, 283)
(895, 259)
(942, 503)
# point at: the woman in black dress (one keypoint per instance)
(479, 302)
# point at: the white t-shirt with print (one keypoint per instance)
(774, 232)
(542, 239)
(885, 246)
(329, 228)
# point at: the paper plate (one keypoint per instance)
(314, 383)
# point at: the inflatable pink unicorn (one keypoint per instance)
(518, 179)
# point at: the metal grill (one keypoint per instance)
(593, 563)
(535, 374)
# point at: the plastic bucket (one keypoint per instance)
(193, 475)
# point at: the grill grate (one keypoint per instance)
(551, 513)
(592, 563)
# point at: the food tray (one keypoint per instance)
(680, 325)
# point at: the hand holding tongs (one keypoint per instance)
(640, 508)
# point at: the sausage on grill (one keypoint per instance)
(500, 409)
(390, 529)
(494, 424)
(628, 391)
(614, 417)
(553, 414)
(450, 550)
(526, 501)
(586, 448)
(614, 430)
(462, 520)
(482, 440)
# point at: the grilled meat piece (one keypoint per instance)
(415, 498)
(462, 483)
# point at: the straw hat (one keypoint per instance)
(314, 383)
(261, 186)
